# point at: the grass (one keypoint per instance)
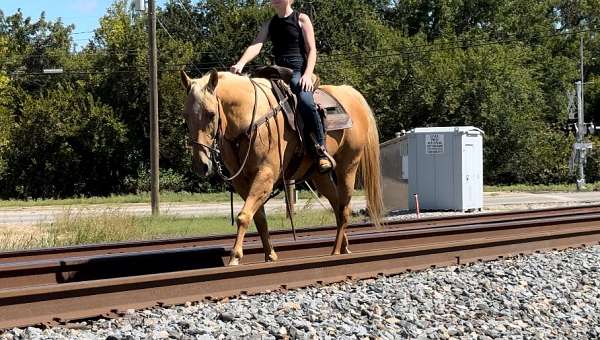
(570, 187)
(114, 225)
(121, 199)
(186, 197)
(170, 197)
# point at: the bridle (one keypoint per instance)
(250, 133)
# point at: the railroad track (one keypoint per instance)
(56, 286)
(217, 240)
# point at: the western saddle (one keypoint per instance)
(332, 113)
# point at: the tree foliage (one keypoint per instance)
(503, 66)
(65, 143)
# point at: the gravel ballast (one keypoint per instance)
(540, 296)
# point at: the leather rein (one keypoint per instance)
(214, 149)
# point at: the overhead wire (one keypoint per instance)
(173, 39)
(375, 54)
(455, 45)
(210, 45)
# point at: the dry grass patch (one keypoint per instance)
(114, 225)
(72, 229)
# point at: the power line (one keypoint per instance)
(171, 37)
(344, 56)
(341, 56)
(210, 45)
(354, 56)
(165, 29)
(84, 53)
(129, 70)
(459, 41)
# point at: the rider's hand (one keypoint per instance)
(306, 83)
(237, 68)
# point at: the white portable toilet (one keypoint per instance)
(445, 168)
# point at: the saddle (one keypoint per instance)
(333, 114)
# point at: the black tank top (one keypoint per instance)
(287, 37)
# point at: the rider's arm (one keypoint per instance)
(253, 50)
(309, 42)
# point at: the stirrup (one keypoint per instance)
(325, 162)
(324, 165)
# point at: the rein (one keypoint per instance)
(214, 149)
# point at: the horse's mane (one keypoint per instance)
(228, 83)
(226, 76)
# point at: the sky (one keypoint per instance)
(84, 14)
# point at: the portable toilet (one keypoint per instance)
(446, 168)
(443, 165)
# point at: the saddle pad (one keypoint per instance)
(336, 117)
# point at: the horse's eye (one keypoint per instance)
(210, 114)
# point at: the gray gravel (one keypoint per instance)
(540, 296)
(407, 215)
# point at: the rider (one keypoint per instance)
(293, 41)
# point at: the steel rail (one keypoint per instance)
(227, 239)
(375, 254)
(85, 268)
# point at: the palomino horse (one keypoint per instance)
(222, 111)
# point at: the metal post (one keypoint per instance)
(580, 138)
(153, 65)
(580, 123)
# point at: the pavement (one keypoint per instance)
(23, 216)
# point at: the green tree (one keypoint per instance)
(66, 143)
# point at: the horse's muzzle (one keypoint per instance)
(202, 168)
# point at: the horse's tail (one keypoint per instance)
(370, 168)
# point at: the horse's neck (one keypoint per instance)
(238, 97)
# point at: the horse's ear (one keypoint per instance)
(185, 80)
(213, 81)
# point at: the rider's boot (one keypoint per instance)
(325, 162)
(325, 165)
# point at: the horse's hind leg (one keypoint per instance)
(345, 188)
(260, 219)
(327, 188)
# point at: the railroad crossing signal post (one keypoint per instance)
(581, 147)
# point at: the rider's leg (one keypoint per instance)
(312, 121)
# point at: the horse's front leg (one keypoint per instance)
(260, 188)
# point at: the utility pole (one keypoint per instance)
(153, 66)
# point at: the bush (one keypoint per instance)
(64, 144)
(169, 181)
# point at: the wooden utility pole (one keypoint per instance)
(153, 66)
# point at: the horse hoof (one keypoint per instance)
(271, 258)
(346, 251)
(234, 261)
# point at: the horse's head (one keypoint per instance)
(201, 113)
